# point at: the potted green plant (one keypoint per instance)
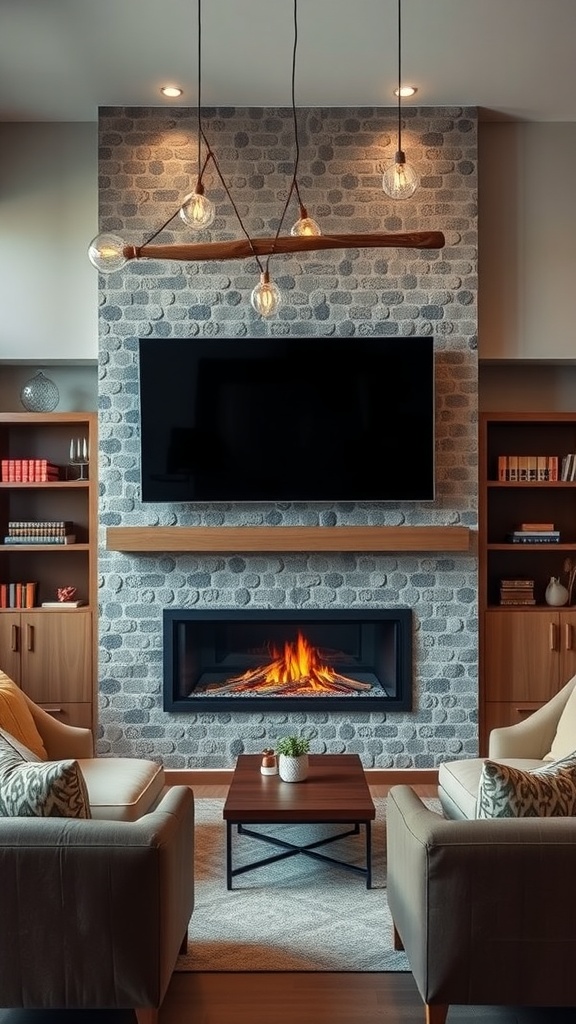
(293, 758)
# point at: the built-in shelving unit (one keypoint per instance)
(51, 652)
(527, 652)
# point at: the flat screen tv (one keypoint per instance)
(287, 419)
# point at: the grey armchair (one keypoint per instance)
(484, 909)
(95, 911)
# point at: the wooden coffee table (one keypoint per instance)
(335, 792)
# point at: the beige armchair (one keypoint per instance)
(95, 911)
(524, 745)
(484, 909)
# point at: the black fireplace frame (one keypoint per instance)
(399, 700)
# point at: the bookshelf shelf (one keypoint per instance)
(51, 656)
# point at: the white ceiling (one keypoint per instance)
(62, 59)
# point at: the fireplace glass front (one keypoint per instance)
(247, 661)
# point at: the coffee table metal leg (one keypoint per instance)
(368, 855)
(228, 855)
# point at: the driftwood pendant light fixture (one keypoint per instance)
(110, 253)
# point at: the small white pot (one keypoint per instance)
(293, 769)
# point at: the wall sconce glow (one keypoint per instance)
(197, 210)
(405, 91)
(266, 296)
(305, 225)
(171, 91)
(106, 253)
(400, 180)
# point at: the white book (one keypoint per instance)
(62, 604)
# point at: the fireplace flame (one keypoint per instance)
(298, 669)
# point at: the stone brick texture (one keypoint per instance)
(148, 161)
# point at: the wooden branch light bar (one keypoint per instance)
(239, 248)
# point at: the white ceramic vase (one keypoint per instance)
(293, 769)
(556, 593)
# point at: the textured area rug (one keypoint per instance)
(296, 915)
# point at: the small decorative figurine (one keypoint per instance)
(66, 593)
(269, 764)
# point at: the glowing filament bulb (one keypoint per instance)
(106, 253)
(400, 180)
(305, 225)
(197, 210)
(266, 296)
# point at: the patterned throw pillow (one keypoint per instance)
(507, 792)
(42, 789)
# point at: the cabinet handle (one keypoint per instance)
(568, 636)
(29, 637)
(552, 636)
(14, 639)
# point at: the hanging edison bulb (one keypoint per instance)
(106, 253)
(400, 180)
(305, 225)
(266, 296)
(197, 210)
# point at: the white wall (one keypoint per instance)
(527, 233)
(48, 215)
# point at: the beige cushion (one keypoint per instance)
(16, 717)
(458, 783)
(39, 789)
(564, 742)
(508, 792)
(122, 788)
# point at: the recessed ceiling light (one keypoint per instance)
(171, 91)
(406, 90)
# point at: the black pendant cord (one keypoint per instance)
(294, 182)
(199, 92)
(399, 76)
(209, 155)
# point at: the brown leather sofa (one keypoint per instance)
(95, 911)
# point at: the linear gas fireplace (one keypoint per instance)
(281, 660)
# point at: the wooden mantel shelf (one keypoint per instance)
(287, 538)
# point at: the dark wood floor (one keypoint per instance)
(306, 998)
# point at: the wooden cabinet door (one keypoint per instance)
(10, 644)
(567, 646)
(57, 656)
(522, 655)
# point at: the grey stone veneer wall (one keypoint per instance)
(147, 163)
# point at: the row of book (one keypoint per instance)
(528, 467)
(35, 471)
(25, 595)
(65, 538)
(18, 595)
(517, 591)
(533, 537)
(38, 531)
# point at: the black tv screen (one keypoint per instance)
(287, 419)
